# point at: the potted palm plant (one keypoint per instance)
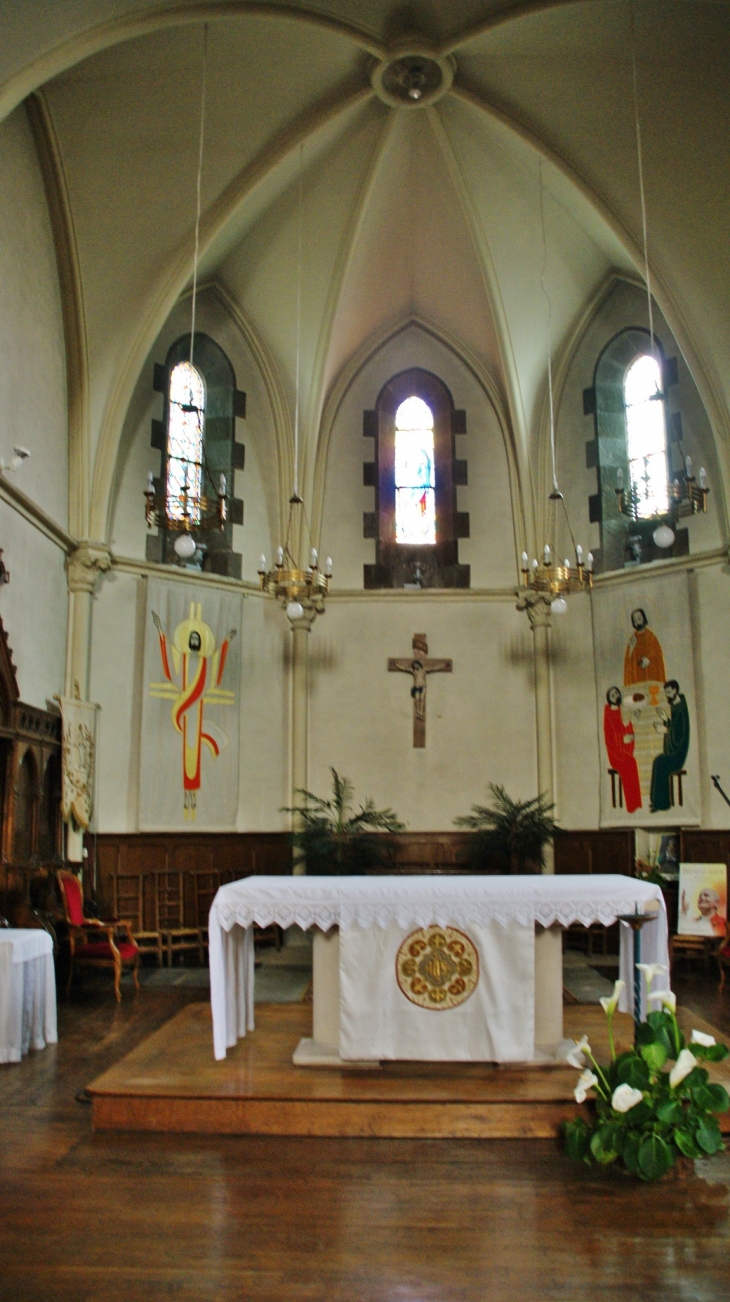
(513, 832)
(334, 840)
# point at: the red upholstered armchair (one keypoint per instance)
(94, 943)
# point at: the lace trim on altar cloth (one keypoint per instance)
(373, 903)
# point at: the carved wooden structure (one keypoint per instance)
(30, 792)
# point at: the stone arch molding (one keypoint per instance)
(562, 363)
(343, 383)
(269, 374)
(162, 296)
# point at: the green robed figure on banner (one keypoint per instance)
(676, 746)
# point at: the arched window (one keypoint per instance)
(197, 439)
(185, 442)
(415, 474)
(415, 479)
(646, 436)
(637, 448)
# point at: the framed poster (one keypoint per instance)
(702, 899)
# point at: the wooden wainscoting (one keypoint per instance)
(196, 855)
(711, 846)
(604, 851)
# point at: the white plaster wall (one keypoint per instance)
(577, 755)
(255, 484)
(710, 593)
(480, 719)
(33, 405)
(117, 685)
(490, 550)
(578, 752)
(32, 349)
(33, 608)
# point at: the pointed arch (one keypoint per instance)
(173, 281)
(357, 363)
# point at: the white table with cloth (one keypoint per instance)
(442, 968)
(27, 992)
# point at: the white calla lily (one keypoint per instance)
(625, 1097)
(586, 1081)
(609, 1003)
(575, 1057)
(666, 997)
(685, 1063)
(651, 970)
(699, 1037)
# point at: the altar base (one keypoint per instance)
(171, 1082)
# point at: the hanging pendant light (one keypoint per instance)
(192, 509)
(300, 591)
(554, 581)
(685, 494)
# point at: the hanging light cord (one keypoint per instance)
(295, 490)
(549, 342)
(640, 161)
(203, 91)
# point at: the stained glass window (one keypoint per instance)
(185, 434)
(646, 436)
(415, 482)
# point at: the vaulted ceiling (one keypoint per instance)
(429, 212)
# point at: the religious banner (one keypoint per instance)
(189, 743)
(646, 716)
(78, 748)
(702, 899)
(438, 993)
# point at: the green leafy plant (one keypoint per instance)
(516, 831)
(332, 840)
(648, 1112)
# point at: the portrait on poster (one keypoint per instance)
(702, 899)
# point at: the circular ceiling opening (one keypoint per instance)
(412, 79)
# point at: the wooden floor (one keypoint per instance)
(90, 1217)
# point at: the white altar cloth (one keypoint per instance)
(27, 992)
(410, 902)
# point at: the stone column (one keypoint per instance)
(299, 712)
(537, 605)
(83, 568)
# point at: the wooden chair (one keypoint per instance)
(170, 916)
(206, 886)
(723, 956)
(94, 943)
(689, 947)
(128, 902)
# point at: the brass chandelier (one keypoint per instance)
(300, 592)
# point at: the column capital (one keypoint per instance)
(85, 564)
(537, 605)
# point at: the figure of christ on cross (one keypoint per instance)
(419, 665)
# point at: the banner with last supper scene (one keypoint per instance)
(646, 708)
(189, 741)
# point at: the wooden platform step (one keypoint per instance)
(171, 1082)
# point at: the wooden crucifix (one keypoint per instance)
(419, 665)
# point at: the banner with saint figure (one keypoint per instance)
(646, 713)
(189, 744)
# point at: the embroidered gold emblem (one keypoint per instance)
(437, 967)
